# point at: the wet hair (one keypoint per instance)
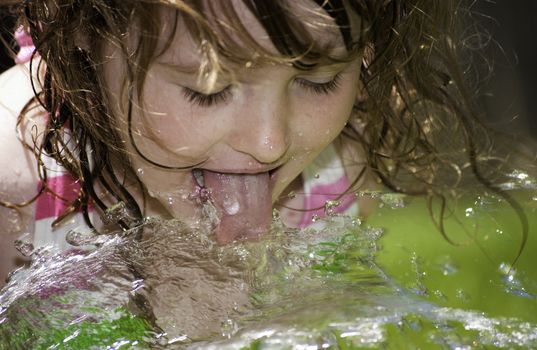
(416, 123)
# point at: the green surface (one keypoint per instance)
(472, 273)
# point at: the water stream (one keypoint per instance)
(391, 282)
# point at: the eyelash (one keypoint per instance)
(204, 100)
(321, 88)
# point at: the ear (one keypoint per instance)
(359, 115)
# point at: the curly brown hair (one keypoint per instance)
(417, 123)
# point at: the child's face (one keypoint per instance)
(251, 134)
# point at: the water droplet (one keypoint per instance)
(437, 293)
(315, 218)
(291, 195)
(119, 212)
(171, 200)
(248, 64)
(356, 222)
(504, 268)
(231, 205)
(449, 268)
(330, 207)
(316, 176)
(15, 221)
(228, 328)
(198, 176)
(78, 238)
(498, 231)
(393, 200)
(469, 212)
(140, 172)
(24, 247)
(462, 295)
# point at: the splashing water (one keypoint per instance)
(351, 285)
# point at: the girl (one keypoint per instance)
(179, 108)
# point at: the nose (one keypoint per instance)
(261, 128)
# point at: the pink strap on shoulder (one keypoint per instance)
(320, 194)
(26, 45)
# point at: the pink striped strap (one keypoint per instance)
(62, 191)
(319, 194)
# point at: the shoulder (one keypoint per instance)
(18, 164)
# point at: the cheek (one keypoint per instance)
(321, 123)
(170, 122)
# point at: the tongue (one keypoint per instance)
(244, 204)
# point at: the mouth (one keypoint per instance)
(199, 177)
(242, 200)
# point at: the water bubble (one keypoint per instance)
(24, 247)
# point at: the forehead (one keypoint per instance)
(240, 32)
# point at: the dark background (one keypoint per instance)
(508, 97)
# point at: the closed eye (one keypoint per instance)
(207, 100)
(320, 88)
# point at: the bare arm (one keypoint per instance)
(18, 165)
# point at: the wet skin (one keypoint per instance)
(259, 119)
